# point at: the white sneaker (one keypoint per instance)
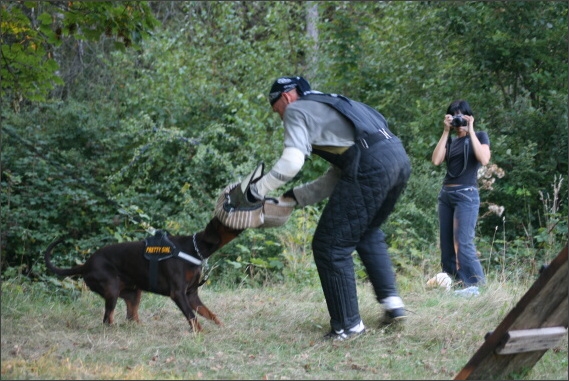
(350, 334)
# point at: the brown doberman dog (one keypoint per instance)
(122, 270)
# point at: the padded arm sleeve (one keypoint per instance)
(319, 189)
(284, 170)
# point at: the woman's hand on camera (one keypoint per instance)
(447, 121)
(470, 120)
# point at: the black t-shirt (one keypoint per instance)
(457, 172)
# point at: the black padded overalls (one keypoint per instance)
(375, 170)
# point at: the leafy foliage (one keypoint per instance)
(32, 31)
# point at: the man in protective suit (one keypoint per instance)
(369, 170)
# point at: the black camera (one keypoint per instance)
(458, 121)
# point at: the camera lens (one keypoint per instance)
(458, 121)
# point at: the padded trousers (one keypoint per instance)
(372, 180)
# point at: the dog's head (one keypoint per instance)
(223, 234)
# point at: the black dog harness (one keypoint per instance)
(159, 247)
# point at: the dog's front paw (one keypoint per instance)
(217, 321)
(196, 326)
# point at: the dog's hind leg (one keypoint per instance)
(109, 290)
(110, 304)
(200, 308)
(132, 300)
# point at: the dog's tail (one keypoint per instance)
(76, 270)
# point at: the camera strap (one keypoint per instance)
(466, 147)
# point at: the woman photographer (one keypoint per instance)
(458, 200)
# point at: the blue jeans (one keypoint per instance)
(458, 213)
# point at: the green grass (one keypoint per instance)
(268, 333)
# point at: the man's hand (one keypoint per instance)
(290, 194)
(236, 199)
(286, 202)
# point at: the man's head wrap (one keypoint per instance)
(286, 84)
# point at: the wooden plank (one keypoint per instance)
(545, 304)
(529, 340)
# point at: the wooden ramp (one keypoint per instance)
(533, 326)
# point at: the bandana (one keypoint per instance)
(286, 84)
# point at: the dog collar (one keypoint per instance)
(196, 247)
(190, 258)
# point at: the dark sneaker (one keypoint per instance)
(343, 335)
(396, 315)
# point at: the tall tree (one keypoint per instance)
(33, 31)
